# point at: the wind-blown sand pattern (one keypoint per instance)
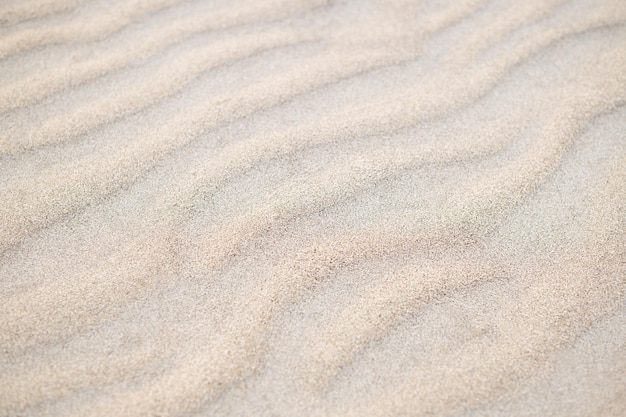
(313, 208)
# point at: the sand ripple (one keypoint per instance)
(312, 207)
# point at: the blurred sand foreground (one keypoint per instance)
(312, 208)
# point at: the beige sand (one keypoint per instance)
(313, 208)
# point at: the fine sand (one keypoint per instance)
(312, 208)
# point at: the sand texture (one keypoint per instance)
(312, 208)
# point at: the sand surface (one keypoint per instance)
(313, 208)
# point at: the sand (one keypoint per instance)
(313, 208)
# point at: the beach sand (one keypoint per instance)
(313, 208)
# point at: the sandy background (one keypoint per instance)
(313, 208)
